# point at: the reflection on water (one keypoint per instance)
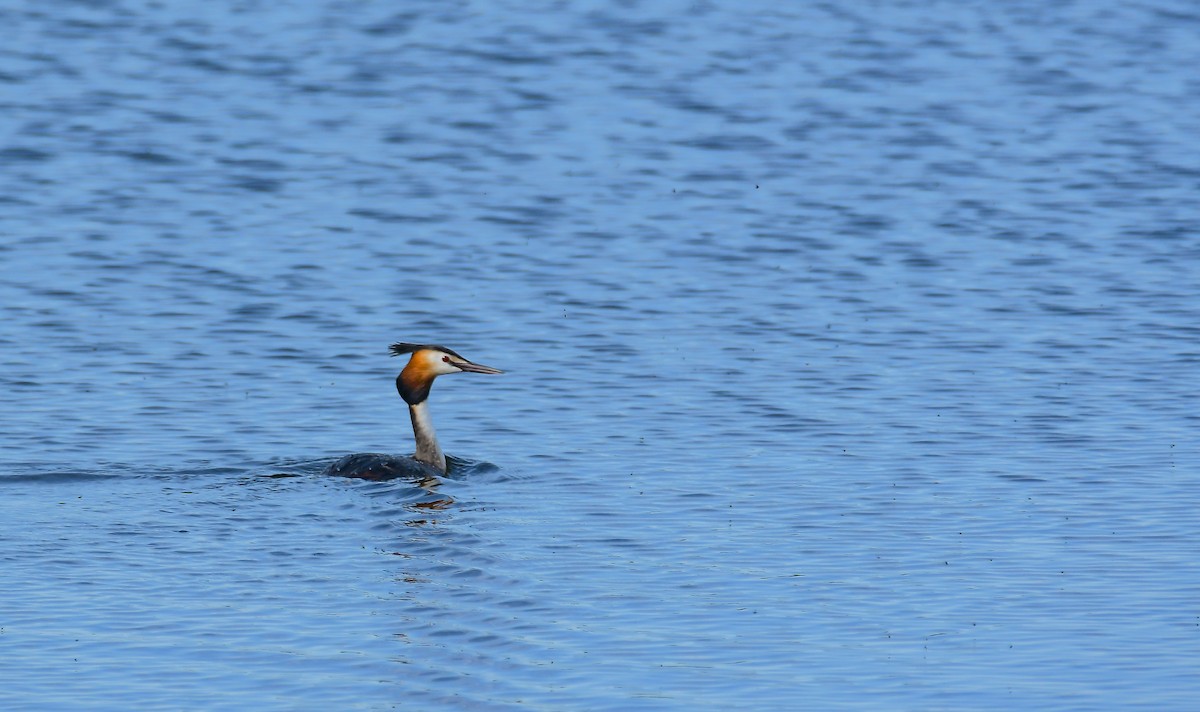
(851, 355)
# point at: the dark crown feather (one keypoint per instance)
(399, 349)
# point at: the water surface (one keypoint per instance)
(851, 355)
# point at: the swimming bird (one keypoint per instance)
(425, 363)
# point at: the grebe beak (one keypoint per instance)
(474, 367)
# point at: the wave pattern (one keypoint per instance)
(851, 355)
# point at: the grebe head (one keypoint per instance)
(427, 363)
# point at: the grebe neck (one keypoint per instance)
(428, 450)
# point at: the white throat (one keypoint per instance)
(428, 450)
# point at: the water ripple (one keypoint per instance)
(850, 355)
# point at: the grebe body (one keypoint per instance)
(425, 363)
(381, 466)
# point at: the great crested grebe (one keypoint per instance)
(413, 383)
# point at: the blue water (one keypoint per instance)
(851, 355)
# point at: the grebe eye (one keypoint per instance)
(446, 359)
